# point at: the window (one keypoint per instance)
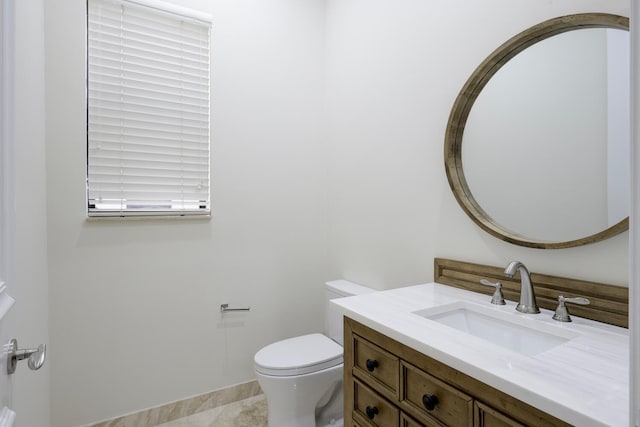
(148, 109)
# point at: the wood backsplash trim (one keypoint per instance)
(609, 304)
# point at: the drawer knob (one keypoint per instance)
(430, 401)
(371, 411)
(371, 365)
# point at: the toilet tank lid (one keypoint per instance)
(347, 288)
(295, 355)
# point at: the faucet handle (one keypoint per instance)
(562, 313)
(498, 297)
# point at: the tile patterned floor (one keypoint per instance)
(251, 412)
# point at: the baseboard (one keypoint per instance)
(183, 408)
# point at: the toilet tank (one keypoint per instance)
(339, 289)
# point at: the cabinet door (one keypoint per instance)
(486, 416)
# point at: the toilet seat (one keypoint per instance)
(298, 356)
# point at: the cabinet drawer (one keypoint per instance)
(407, 421)
(428, 397)
(486, 416)
(372, 361)
(373, 408)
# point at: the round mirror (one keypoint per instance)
(537, 144)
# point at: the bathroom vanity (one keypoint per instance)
(401, 385)
(407, 363)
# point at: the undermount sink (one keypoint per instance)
(509, 330)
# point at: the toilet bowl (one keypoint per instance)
(301, 377)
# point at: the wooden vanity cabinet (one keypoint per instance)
(388, 384)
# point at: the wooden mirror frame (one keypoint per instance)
(467, 97)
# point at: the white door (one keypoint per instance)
(6, 219)
(7, 416)
(10, 355)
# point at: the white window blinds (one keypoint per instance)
(148, 136)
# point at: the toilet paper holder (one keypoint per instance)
(224, 308)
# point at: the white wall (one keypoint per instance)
(31, 388)
(394, 70)
(135, 318)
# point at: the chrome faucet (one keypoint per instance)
(527, 302)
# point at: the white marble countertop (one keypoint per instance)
(584, 381)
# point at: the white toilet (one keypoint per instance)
(302, 376)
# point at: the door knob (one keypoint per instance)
(35, 356)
